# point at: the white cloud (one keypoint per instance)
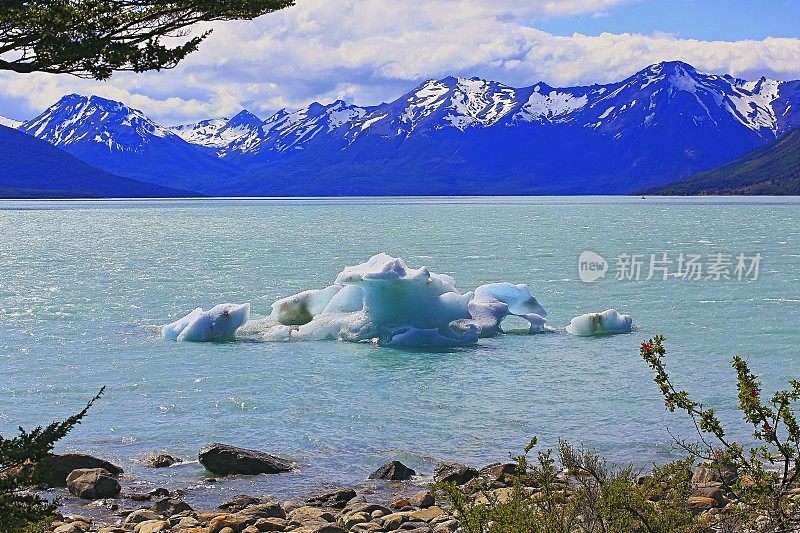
(368, 51)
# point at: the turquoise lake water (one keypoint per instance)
(83, 285)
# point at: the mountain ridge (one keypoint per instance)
(449, 136)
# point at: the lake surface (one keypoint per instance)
(84, 283)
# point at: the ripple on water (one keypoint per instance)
(79, 304)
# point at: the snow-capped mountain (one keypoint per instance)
(468, 104)
(482, 137)
(218, 133)
(75, 120)
(118, 139)
(449, 136)
(296, 130)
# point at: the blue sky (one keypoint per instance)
(368, 51)
(726, 20)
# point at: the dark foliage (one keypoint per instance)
(94, 38)
(18, 508)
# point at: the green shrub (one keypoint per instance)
(767, 471)
(21, 510)
(579, 492)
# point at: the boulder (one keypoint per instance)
(399, 503)
(355, 519)
(501, 472)
(393, 471)
(162, 460)
(306, 514)
(715, 491)
(271, 524)
(394, 521)
(141, 515)
(224, 460)
(151, 526)
(170, 506)
(265, 509)
(426, 515)
(239, 502)
(452, 472)
(92, 484)
(501, 495)
(714, 472)
(422, 499)
(366, 527)
(68, 528)
(53, 471)
(220, 523)
(336, 499)
(698, 504)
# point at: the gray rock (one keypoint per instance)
(53, 471)
(714, 472)
(224, 460)
(452, 472)
(336, 499)
(161, 460)
(422, 499)
(265, 509)
(239, 502)
(141, 515)
(715, 491)
(170, 506)
(502, 472)
(393, 471)
(92, 484)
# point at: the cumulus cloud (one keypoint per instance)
(368, 51)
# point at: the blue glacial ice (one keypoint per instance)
(385, 301)
(606, 323)
(217, 324)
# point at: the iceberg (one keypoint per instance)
(606, 323)
(217, 324)
(385, 301)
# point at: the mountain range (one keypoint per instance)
(453, 136)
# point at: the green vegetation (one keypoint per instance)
(21, 510)
(94, 38)
(766, 473)
(578, 492)
(773, 169)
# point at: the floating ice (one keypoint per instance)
(606, 323)
(217, 324)
(386, 301)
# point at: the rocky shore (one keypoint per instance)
(346, 509)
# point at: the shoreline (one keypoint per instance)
(393, 498)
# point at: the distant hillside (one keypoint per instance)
(31, 168)
(773, 169)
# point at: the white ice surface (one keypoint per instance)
(606, 323)
(217, 324)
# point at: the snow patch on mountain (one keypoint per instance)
(551, 105)
(219, 132)
(9, 122)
